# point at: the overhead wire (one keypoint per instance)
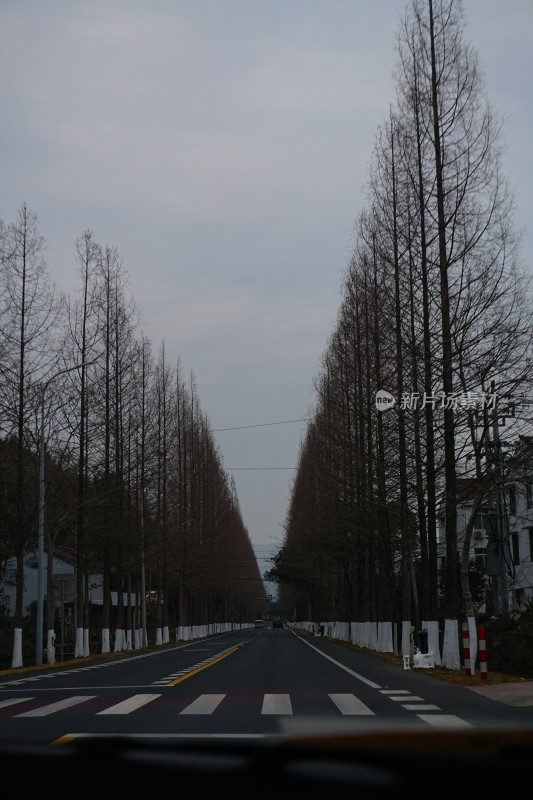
(260, 425)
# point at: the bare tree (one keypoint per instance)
(28, 355)
(466, 218)
(85, 334)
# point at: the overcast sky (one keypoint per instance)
(222, 146)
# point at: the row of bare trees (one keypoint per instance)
(134, 485)
(435, 311)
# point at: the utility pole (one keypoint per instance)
(501, 529)
(40, 537)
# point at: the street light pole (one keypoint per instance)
(40, 539)
(40, 545)
(144, 633)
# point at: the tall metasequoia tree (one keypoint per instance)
(85, 334)
(394, 260)
(109, 464)
(440, 237)
(379, 301)
(465, 224)
(108, 263)
(450, 475)
(164, 385)
(28, 360)
(123, 401)
(145, 373)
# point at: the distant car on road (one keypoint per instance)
(258, 623)
(278, 623)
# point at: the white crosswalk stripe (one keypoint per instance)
(205, 704)
(276, 704)
(68, 702)
(444, 720)
(131, 704)
(11, 701)
(401, 698)
(347, 704)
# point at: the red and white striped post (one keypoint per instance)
(482, 653)
(466, 647)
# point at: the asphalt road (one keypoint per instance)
(251, 683)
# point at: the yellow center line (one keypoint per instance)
(65, 739)
(205, 666)
(71, 737)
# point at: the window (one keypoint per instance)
(529, 493)
(512, 499)
(480, 522)
(480, 558)
(515, 549)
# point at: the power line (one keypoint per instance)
(263, 425)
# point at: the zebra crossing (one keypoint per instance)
(344, 705)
